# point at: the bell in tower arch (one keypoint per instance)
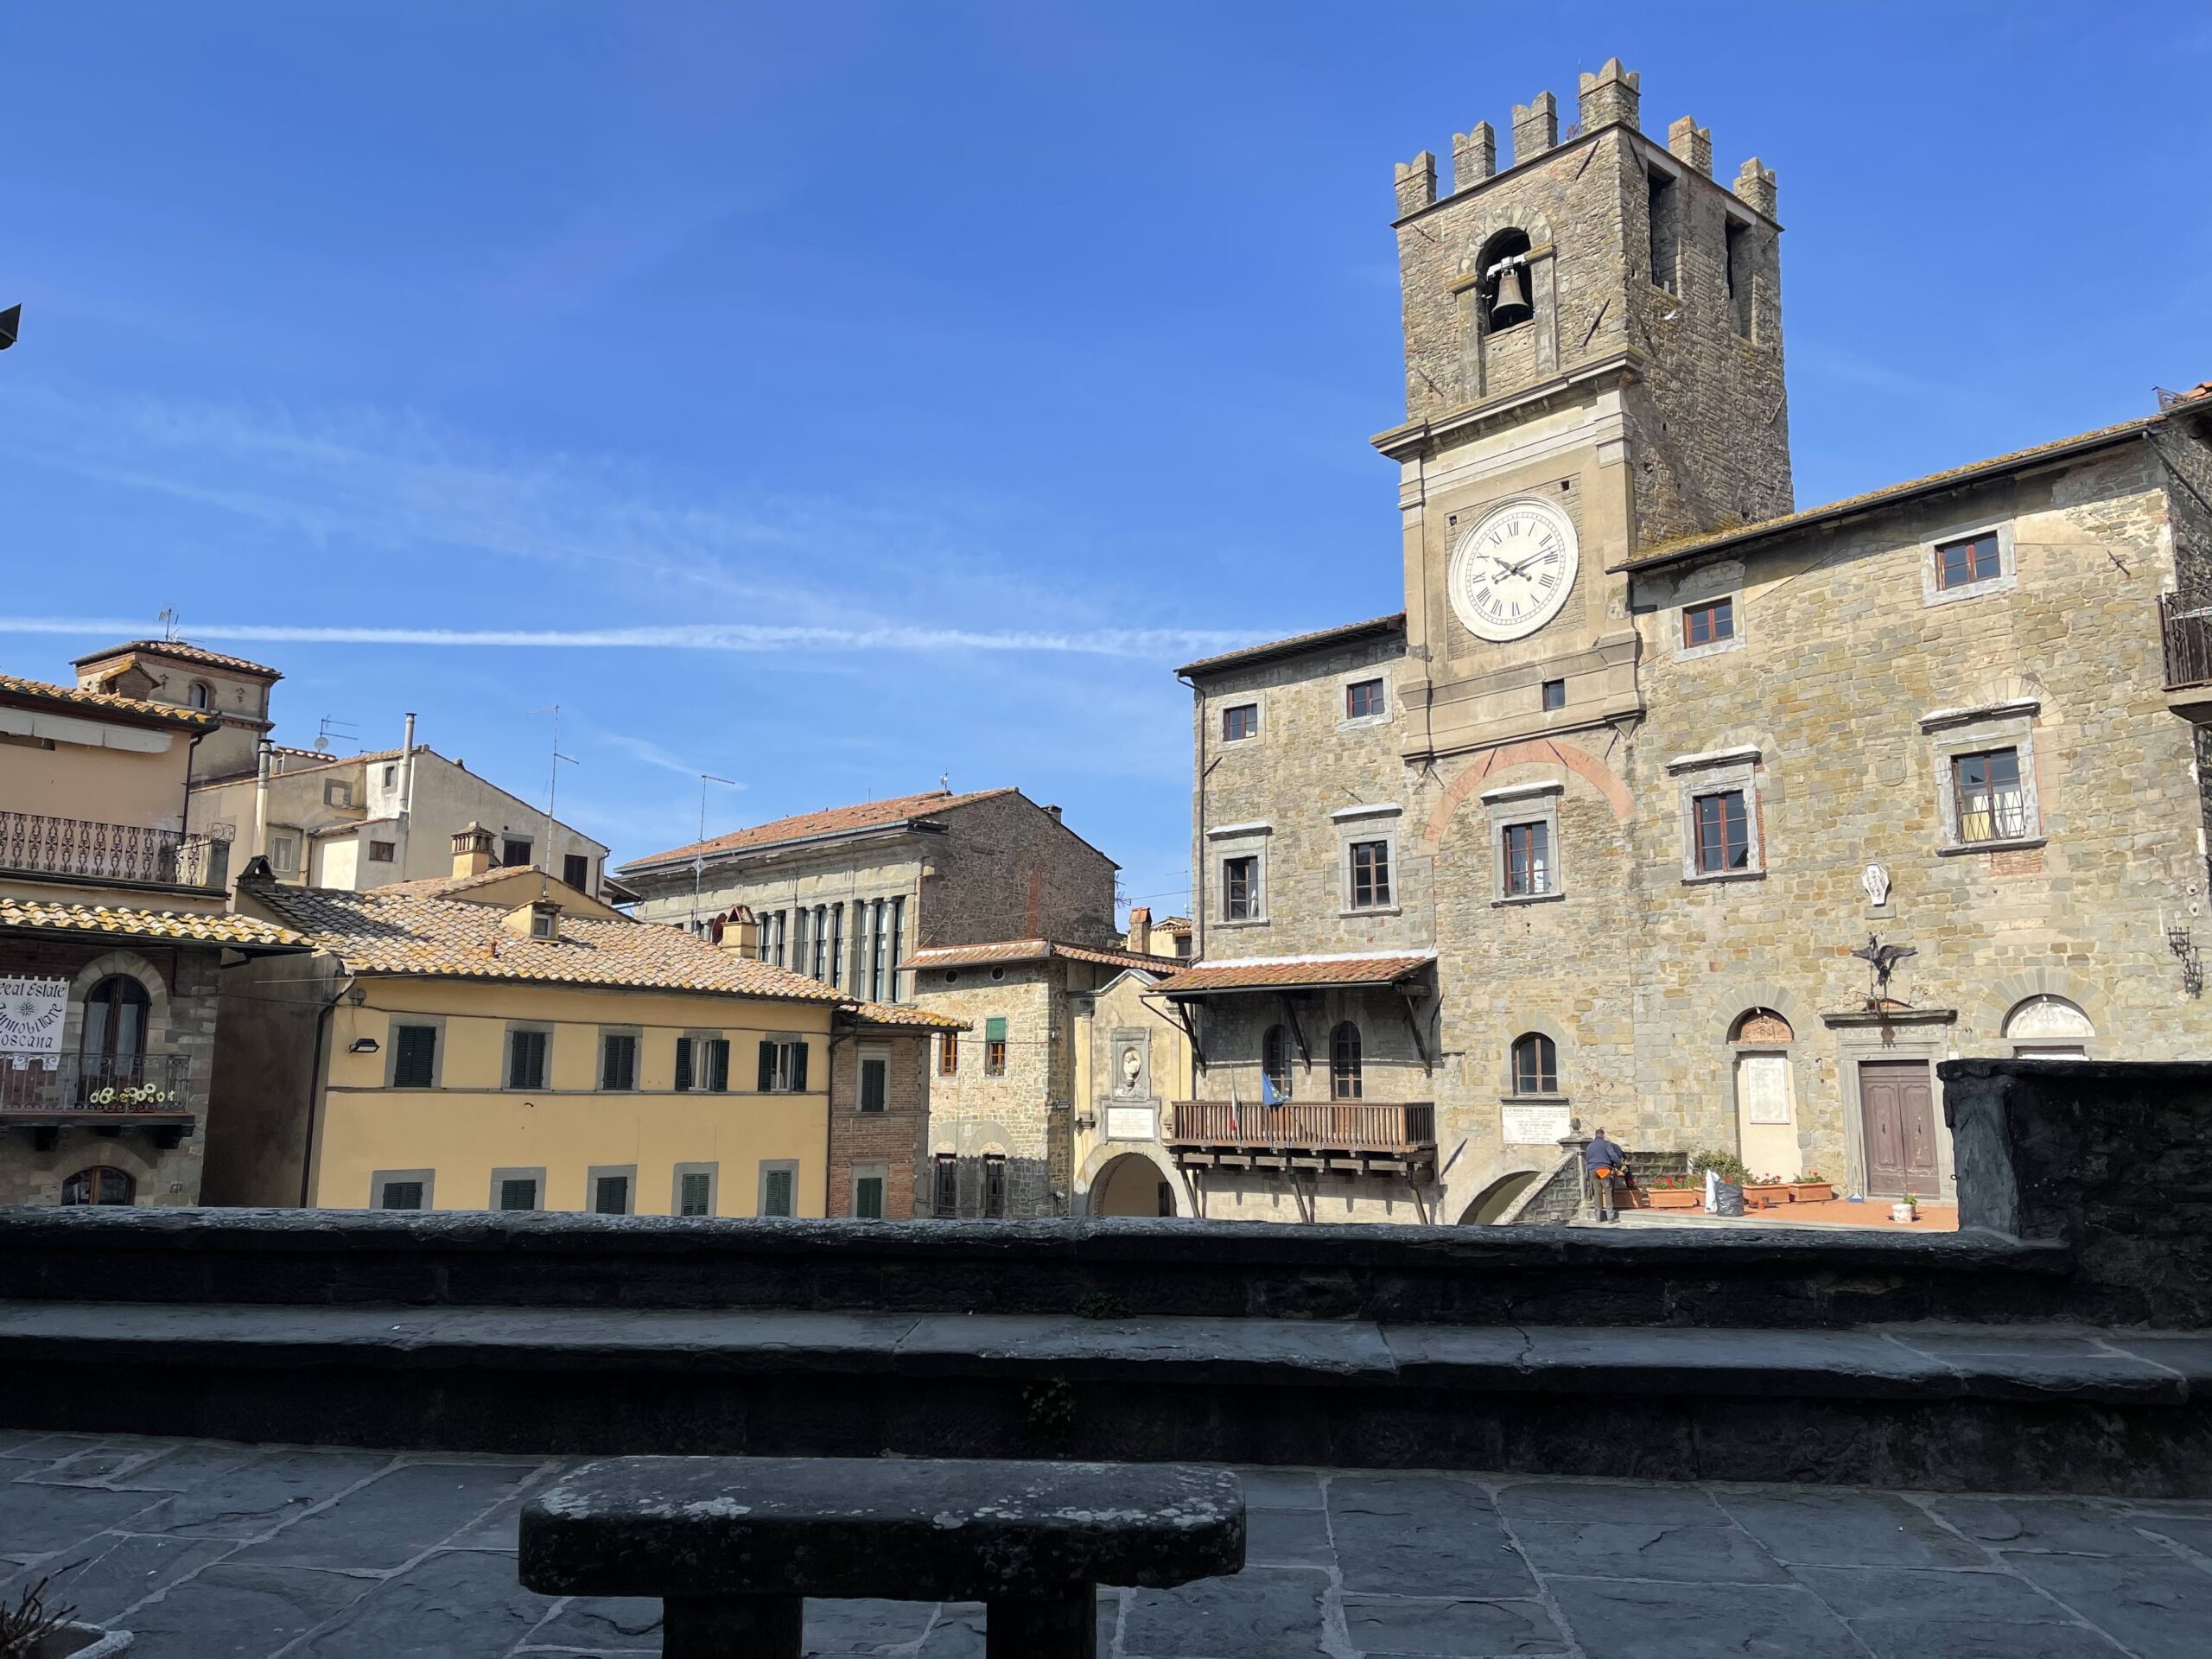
(1510, 305)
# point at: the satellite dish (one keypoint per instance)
(322, 742)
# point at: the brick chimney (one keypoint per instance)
(1141, 930)
(738, 932)
(472, 850)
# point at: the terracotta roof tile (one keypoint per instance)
(115, 921)
(1013, 950)
(1297, 643)
(810, 826)
(168, 713)
(1297, 973)
(888, 1013)
(381, 932)
(177, 650)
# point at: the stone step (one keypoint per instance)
(1950, 1406)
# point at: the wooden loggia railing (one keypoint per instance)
(1320, 1125)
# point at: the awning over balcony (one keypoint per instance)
(1271, 975)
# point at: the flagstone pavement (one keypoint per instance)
(215, 1551)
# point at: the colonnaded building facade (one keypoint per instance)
(1622, 819)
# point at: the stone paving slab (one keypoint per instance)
(218, 1551)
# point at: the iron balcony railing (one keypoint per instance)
(2187, 631)
(94, 1085)
(111, 852)
(1385, 1126)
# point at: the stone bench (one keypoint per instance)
(733, 1546)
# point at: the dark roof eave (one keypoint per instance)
(373, 972)
(1272, 987)
(1299, 644)
(1895, 495)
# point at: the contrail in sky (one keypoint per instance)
(711, 636)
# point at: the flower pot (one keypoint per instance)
(1675, 1197)
(1811, 1191)
(1777, 1193)
(1904, 1212)
(74, 1641)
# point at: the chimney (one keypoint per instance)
(1536, 128)
(1691, 144)
(1141, 930)
(1474, 156)
(1055, 811)
(738, 932)
(472, 850)
(1416, 183)
(1611, 95)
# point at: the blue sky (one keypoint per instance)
(907, 389)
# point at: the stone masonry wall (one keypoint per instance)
(1022, 1115)
(896, 1137)
(1008, 869)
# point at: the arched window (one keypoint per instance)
(1761, 1026)
(201, 695)
(1536, 1064)
(1344, 1062)
(2049, 1028)
(1503, 292)
(1274, 1061)
(98, 1184)
(114, 1036)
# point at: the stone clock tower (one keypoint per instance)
(1593, 366)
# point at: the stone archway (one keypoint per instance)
(1122, 1175)
(1497, 1198)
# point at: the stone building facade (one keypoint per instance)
(878, 1110)
(1597, 828)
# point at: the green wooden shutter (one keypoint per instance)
(718, 1065)
(767, 1067)
(994, 1031)
(799, 1068)
(683, 1062)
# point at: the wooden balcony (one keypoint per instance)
(1352, 1137)
(2187, 631)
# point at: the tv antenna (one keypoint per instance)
(330, 728)
(172, 623)
(553, 779)
(699, 854)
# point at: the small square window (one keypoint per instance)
(610, 1195)
(779, 1185)
(1992, 806)
(1528, 859)
(868, 1195)
(284, 854)
(1974, 558)
(1554, 695)
(514, 852)
(1364, 700)
(1240, 887)
(336, 793)
(545, 924)
(1709, 623)
(391, 777)
(1722, 833)
(1371, 875)
(1240, 721)
(383, 852)
(400, 1195)
(517, 1192)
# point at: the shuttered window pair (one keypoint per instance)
(783, 1067)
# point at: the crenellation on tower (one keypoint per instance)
(1691, 144)
(1416, 183)
(1536, 128)
(1609, 97)
(1755, 187)
(1474, 156)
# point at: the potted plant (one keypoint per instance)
(1767, 1190)
(1676, 1192)
(1907, 1208)
(1811, 1187)
(31, 1629)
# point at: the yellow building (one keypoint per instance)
(498, 1040)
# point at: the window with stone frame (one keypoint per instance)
(1240, 722)
(1969, 559)
(1987, 795)
(948, 1054)
(1709, 621)
(1364, 700)
(1536, 1064)
(782, 1066)
(1240, 897)
(1527, 853)
(415, 1057)
(993, 1186)
(1720, 832)
(618, 1061)
(526, 1050)
(1554, 695)
(994, 1048)
(1371, 875)
(944, 1184)
(1275, 1062)
(875, 1083)
(1345, 1081)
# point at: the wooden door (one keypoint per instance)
(1896, 1104)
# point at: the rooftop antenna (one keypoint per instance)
(944, 782)
(699, 855)
(171, 623)
(332, 727)
(553, 777)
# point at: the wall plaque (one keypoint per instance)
(1531, 1125)
(1129, 1123)
(32, 1014)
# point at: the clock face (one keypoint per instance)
(1512, 572)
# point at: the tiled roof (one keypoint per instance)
(383, 931)
(811, 826)
(115, 921)
(177, 650)
(75, 697)
(1297, 973)
(1010, 950)
(888, 1013)
(444, 887)
(322, 757)
(1179, 925)
(1298, 645)
(1692, 546)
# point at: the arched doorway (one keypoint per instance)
(1766, 1100)
(1496, 1198)
(1132, 1185)
(101, 1184)
(2049, 1028)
